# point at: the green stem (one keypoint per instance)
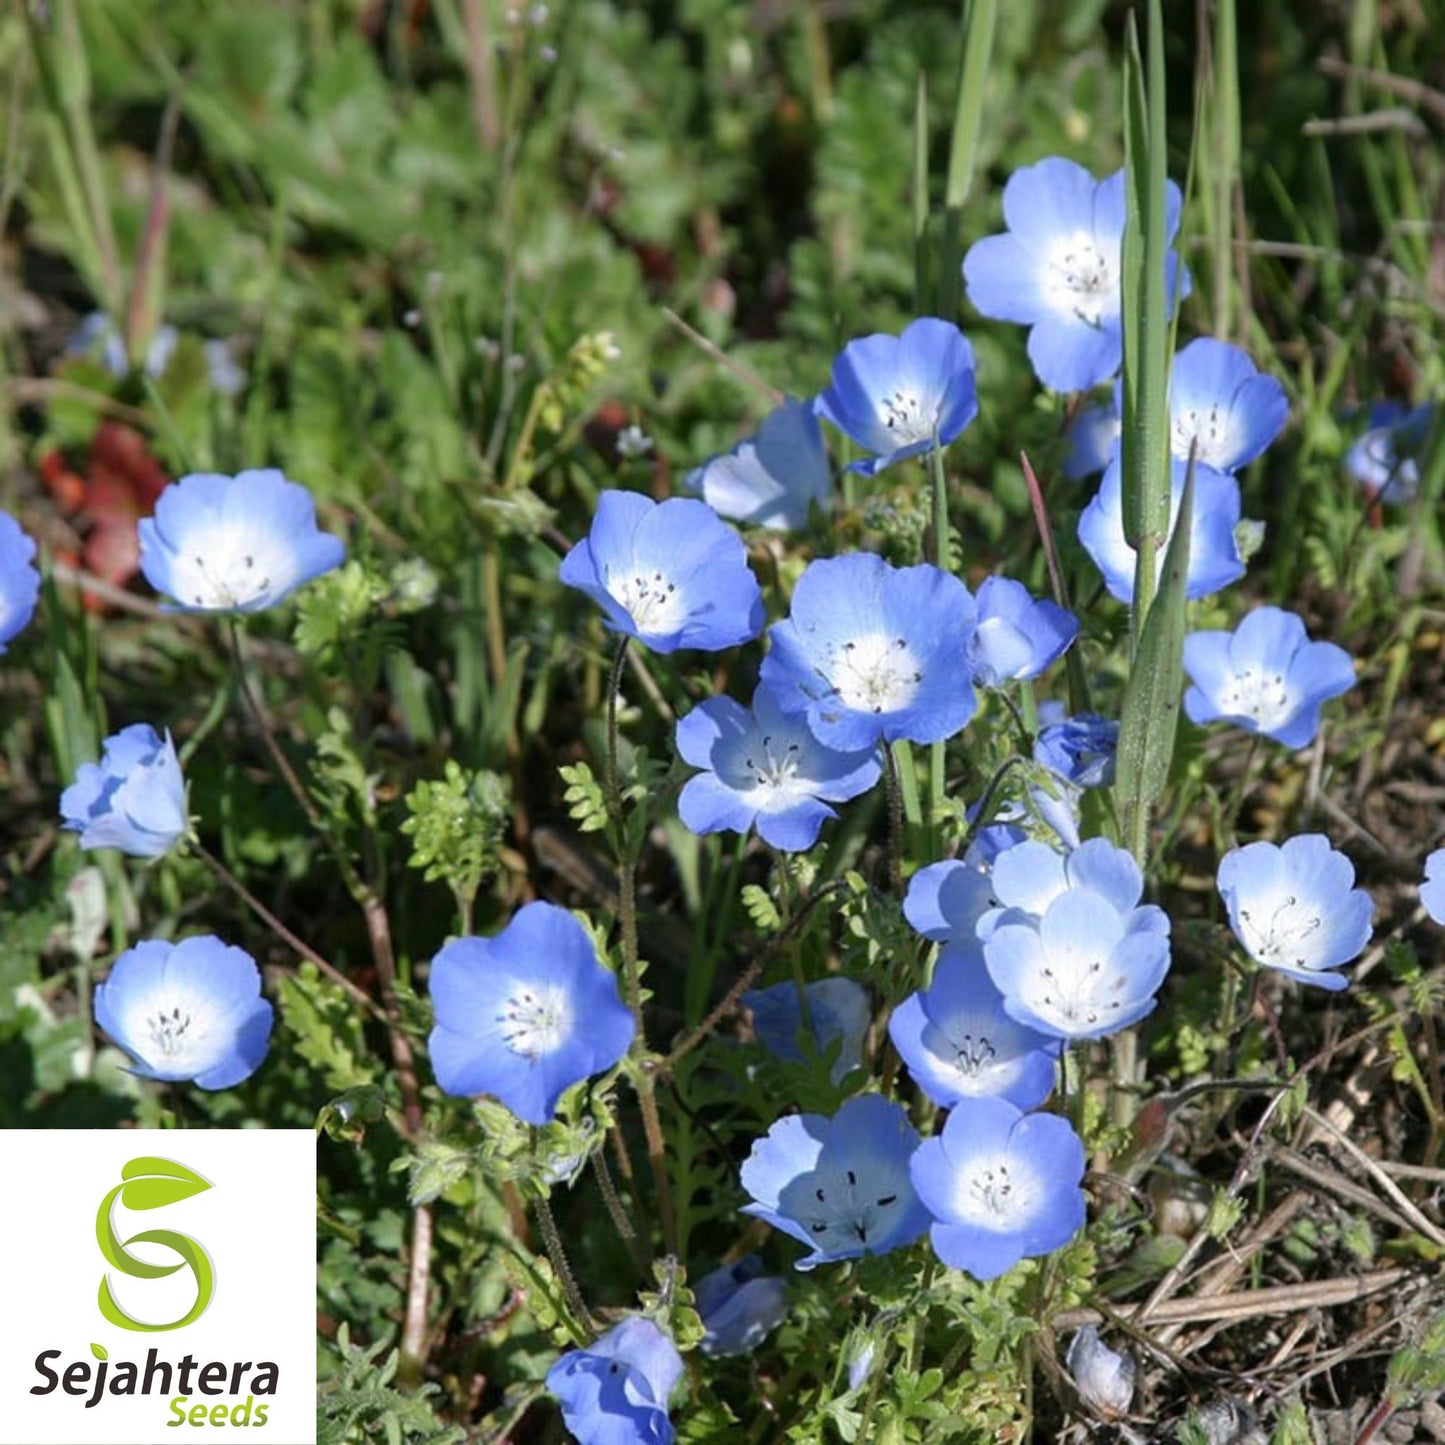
(560, 1267)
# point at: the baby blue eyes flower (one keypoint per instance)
(1080, 749)
(1266, 677)
(1214, 558)
(900, 396)
(190, 1010)
(234, 544)
(959, 1042)
(765, 769)
(1222, 406)
(873, 653)
(1071, 950)
(1432, 890)
(1057, 269)
(1103, 1377)
(1295, 907)
(133, 799)
(1001, 1186)
(839, 1185)
(945, 900)
(1386, 459)
(615, 1391)
(739, 1306)
(525, 1014)
(19, 580)
(771, 479)
(671, 574)
(837, 1009)
(1017, 635)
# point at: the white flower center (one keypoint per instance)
(650, 599)
(1210, 430)
(1263, 696)
(235, 572)
(903, 413)
(1078, 995)
(1080, 280)
(174, 1033)
(875, 674)
(772, 764)
(536, 1020)
(993, 1195)
(1279, 938)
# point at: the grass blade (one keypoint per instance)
(979, 22)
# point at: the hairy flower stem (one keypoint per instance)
(895, 821)
(641, 1073)
(224, 874)
(560, 1267)
(621, 1220)
(937, 752)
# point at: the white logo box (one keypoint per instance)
(257, 1225)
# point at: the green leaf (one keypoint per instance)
(152, 1183)
(99, 1351)
(1151, 698)
(1144, 456)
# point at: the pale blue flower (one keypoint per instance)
(839, 1185)
(615, 1391)
(133, 799)
(739, 1306)
(234, 544)
(1071, 949)
(19, 580)
(1432, 890)
(98, 334)
(1057, 269)
(1295, 908)
(1103, 1377)
(671, 574)
(1001, 1186)
(525, 1014)
(874, 653)
(1266, 677)
(1222, 406)
(1386, 459)
(1017, 635)
(772, 479)
(945, 901)
(1214, 556)
(1080, 749)
(764, 769)
(901, 396)
(189, 1010)
(1093, 438)
(959, 1042)
(838, 1010)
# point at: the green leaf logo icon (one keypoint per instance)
(151, 1183)
(100, 1352)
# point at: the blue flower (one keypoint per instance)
(1071, 950)
(1001, 1186)
(1093, 438)
(1214, 558)
(1017, 636)
(1056, 269)
(525, 1014)
(98, 332)
(945, 900)
(189, 1010)
(1080, 749)
(739, 1306)
(1222, 405)
(900, 396)
(1386, 459)
(133, 799)
(234, 544)
(873, 653)
(839, 1185)
(1295, 907)
(837, 1009)
(766, 769)
(671, 574)
(19, 580)
(959, 1042)
(1432, 890)
(771, 479)
(615, 1391)
(1266, 677)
